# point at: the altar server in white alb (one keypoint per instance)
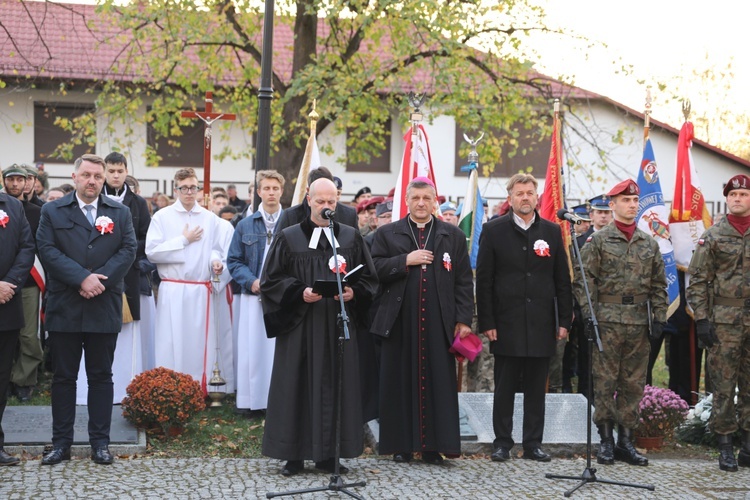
(250, 244)
(189, 246)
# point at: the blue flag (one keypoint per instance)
(653, 218)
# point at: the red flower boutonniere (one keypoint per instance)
(3, 218)
(541, 248)
(341, 264)
(104, 224)
(447, 261)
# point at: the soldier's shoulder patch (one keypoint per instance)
(589, 238)
(701, 241)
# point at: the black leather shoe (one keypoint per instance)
(328, 465)
(293, 467)
(537, 455)
(625, 450)
(56, 456)
(606, 454)
(402, 458)
(7, 459)
(24, 393)
(102, 456)
(500, 454)
(432, 458)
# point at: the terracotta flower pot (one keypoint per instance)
(649, 443)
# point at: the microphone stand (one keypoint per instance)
(335, 483)
(589, 473)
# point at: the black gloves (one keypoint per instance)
(657, 331)
(706, 333)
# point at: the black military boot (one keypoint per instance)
(743, 457)
(625, 450)
(606, 455)
(727, 461)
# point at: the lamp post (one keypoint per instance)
(265, 96)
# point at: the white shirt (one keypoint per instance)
(522, 223)
(82, 204)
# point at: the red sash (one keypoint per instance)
(209, 288)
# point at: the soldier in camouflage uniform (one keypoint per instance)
(625, 272)
(719, 293)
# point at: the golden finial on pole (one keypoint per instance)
(314, 117)
(649, 101)
(686, 109)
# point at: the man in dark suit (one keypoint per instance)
(29, 354)
(16, 259)
(87, 244)
(524, 305)
(294, 215)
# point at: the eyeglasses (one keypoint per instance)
(188, 189)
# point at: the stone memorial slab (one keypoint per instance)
(32, 425)
(565, 431)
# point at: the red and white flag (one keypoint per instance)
(689, 217)
(417, 162)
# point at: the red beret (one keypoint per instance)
(740, 181)
(369, 203)
(627, 187)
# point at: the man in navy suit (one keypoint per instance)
(87, 244)
(16, 259)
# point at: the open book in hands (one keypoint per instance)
(330, 288)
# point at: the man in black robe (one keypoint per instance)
(301, 414)
(427, 299)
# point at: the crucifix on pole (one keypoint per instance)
(208, 117)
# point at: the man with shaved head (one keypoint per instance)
(300, 419)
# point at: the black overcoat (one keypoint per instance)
(141, 220)
(16, 259)
(524, 296)
(392, 243)
(70, 249)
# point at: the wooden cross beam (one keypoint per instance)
(208, 117)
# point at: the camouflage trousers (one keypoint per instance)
(481, 372)
(729, 366)
(620, 373)
(556, 367)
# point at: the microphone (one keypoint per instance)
(327, 214)
(563, 214)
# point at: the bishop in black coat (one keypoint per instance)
(420, 307)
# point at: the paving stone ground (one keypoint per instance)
(146, 478)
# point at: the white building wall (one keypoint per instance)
(612, 131)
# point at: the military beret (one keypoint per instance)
(740, 181)
(600, 202)
(362, 191)
(385, 207)
(338, 182)
(16, 170)
(369, 203)
(627, 187)
(448, 207)
(582, 211)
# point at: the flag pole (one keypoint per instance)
(686, 108)
(647, 116)
(415, 117)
